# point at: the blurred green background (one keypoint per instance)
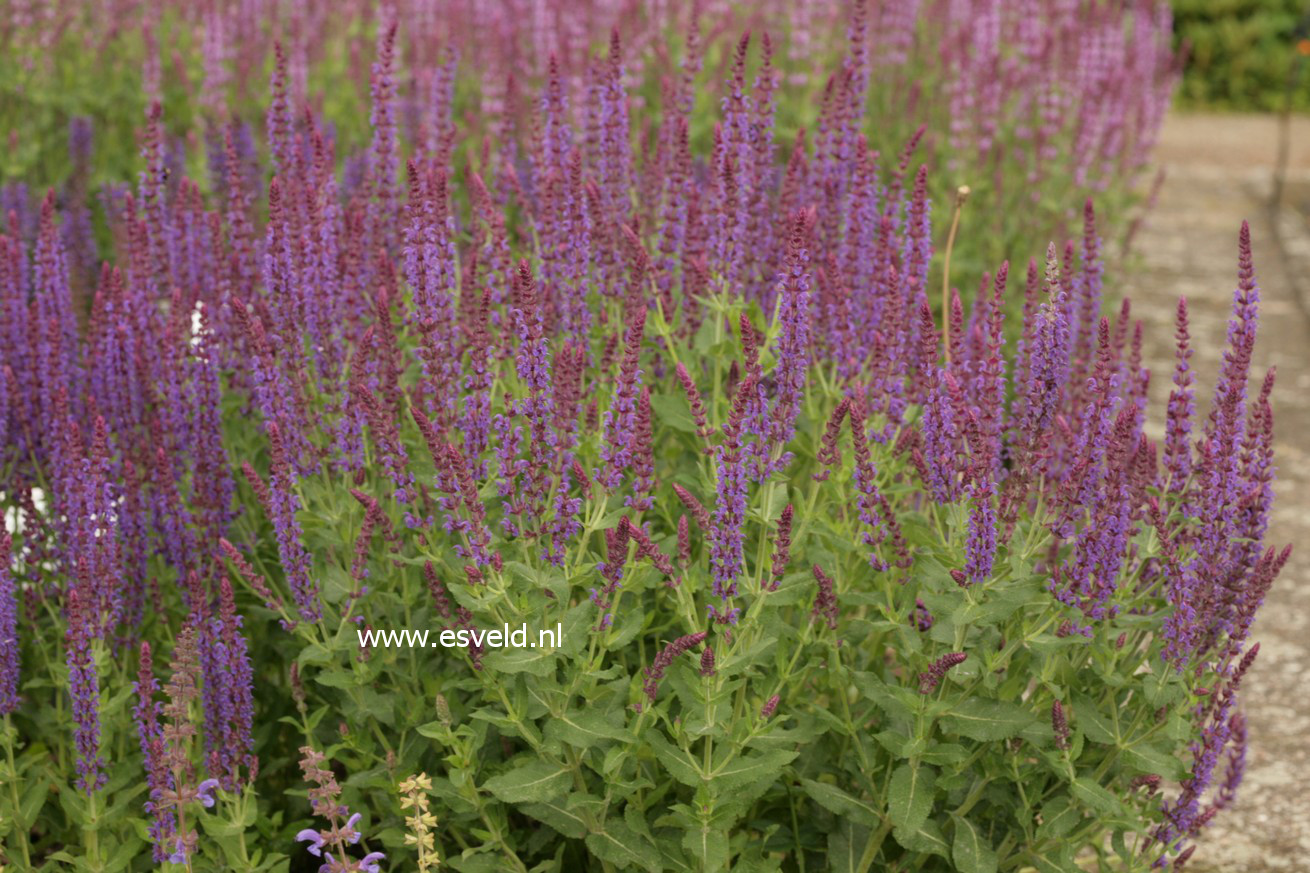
(1241, 53)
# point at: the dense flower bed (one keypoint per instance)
(844, 577)
(1034, 104)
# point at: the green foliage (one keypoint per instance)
(1244, 53)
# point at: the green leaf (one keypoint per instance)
(124, 855)
(986, 720)
(1096, 796)
(894, 701)
(33, 799)
(536, 662)
(620, 844)
(846, 847)
(926, 838)
(678, 764)
(709, 845)
(476, 861)
(972, 852)
(1087, 717)
(1058, 818)
(672, 410)
(743, 771)
(567, 822)
(533, 782)
(336, 678)
(836, 801)
(910, 795)
(1152, 759)
(1057, 860)
(585, 728)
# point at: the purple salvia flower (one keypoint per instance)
(430, 267)
(769, 708)
(475, 413)
(1102, 543)
(730, 505)
(56, 349)
(440, 139)
(665, 659)
(1046, 365)
(643, 460)
(1089, 449)
(695, 404)
(84, 689)
(825, 601)
(234, 746)
(1220, 489)
(556, 136)
(873, 509)
(923, 619)
(1257, 476)
(980, 547)
(391, 450)
(274, 392)
(1236, 768)
(158, 779)
(1032, 291)
(146, 711)
(278, 119)
(792, 350)
(673, 218)
(936, 672)
(646, 547)
(684, 543)
(9, 649)
(991, 381)
(707, 662)
(237, 217)
(455, 479)
(616, 452)
(213, 484)
(509, 438)
(1182, 817)
(1060, 726)
(781, 548)
(829, 454)
(565, 524)
(613, 157)
(1255, 587)
(248, 573)
(1040, 384)
(532, 363)
(284, 504)
(694, 506)
(611, 570)
(383, 159)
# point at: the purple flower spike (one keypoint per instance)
(666, 657)
(936, 672)
(792, 349)
(616, 451)
(8, 629)
(825, 602)
(730, 508)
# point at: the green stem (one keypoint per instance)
(20, 826)
(91, 832)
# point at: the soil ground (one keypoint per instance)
(1219, 171)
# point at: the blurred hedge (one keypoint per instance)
(1241, 52)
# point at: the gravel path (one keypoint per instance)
(1219, 172)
